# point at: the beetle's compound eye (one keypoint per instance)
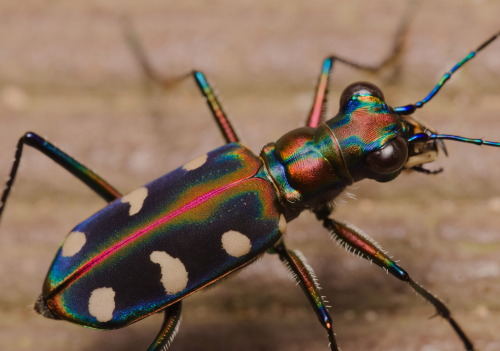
(390, 158)
(360, 88)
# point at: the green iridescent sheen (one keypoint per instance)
(363, 125)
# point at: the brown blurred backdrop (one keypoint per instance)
(66, 73)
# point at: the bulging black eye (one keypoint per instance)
(360, 88)
(390, 158)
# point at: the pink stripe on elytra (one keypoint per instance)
(199, 200)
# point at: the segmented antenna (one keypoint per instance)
(409, 109)
(424, 137)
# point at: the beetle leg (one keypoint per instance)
(135, 44)
(304, 275)
(354, 240)
(318, 108)
(92, 180)
(168, 329)
(218, 113)
(208, 93)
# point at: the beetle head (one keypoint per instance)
(374, 140)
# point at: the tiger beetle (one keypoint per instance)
(146, 251)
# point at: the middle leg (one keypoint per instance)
(305, 277)
(218, 113)
(318, 108)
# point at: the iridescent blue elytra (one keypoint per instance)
(148, 250)
(183, 214)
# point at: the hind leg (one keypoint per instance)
(85, 174)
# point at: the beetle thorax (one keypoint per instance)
(299, 165)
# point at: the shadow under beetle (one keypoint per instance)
(221, 211)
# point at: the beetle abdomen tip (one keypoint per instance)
(42, 308)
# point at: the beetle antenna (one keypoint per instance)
(424, 137)
(409, 109)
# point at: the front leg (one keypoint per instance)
(367, 248)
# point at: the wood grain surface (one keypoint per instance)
(66, 73)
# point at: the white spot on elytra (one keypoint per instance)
(235, 243)
(196, 163)
(73, 243)
(136, 200)
(174, 275)
(282, 224)
(102, 304)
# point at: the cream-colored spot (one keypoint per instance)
(235, 243)
(282, 224)
(102, 304)
(196, 163)
(136, 200)
(174, 275)
(73, 243)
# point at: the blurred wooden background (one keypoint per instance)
(66, 73)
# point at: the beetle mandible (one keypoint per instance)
(221, 211)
